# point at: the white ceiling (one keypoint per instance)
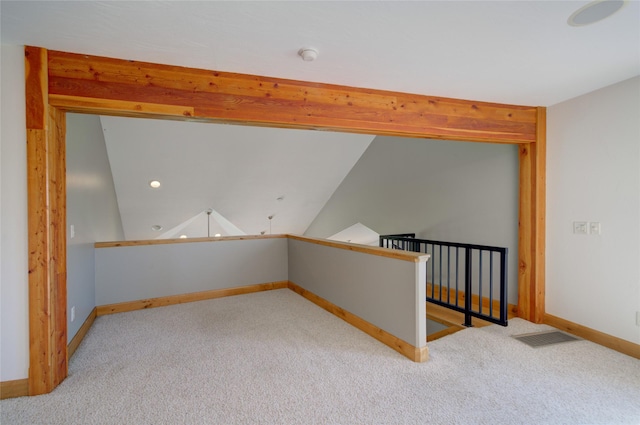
(518, 52)
(237, 171)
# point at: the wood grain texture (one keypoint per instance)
(89, 84)
(36, 84)
(440, 334)
(417, 354)
(12, 389)
(82, 332)
(538, 231)
(116, 244)
(449, 296)
(46, 200)
(532, 223)
(58, 240)
(617, 344)
(187, 298)
(366, 249)
(122, 87)
(118, 107)
(448, 317)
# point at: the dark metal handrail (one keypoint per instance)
(461, 260)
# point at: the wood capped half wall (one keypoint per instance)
(58, 82)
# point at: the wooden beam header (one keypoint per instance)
(107, 86)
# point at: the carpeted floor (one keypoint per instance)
(275, 358)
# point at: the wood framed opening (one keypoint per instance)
(58, 82)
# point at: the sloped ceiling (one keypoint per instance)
(516, 52)
(239, 172)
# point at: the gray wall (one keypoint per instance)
(134, 273)
(441, 190)
(92, 209)
(386, 292)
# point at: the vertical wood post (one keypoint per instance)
(64, 74)
(532, 220)
(46, 199)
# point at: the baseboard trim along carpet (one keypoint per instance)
(77, 339)
(609, 341)
(414, 353)
(187, 298)
(12, 389)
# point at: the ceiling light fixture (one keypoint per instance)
(154, 184)
(209, 211)
(217, 235)
(183, 236)
(308, 54)
(595, 11)
(270, 218)
(156, 227)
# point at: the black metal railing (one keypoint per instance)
(460, 275)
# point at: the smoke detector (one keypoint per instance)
(308, 54)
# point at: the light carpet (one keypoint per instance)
(275, 358)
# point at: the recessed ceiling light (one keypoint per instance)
(154, 184)
(217, 235)
(595, 11)
(183, 236)
(156, 227)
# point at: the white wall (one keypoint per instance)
(14, 314)
(441, 190)
(593, 174)
(92, 208)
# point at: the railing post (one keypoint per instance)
(503, 286)
(468, 295)
(407, 241)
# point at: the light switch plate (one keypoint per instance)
(580, 227)
(594, 228)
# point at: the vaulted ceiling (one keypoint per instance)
(517, 52)
(244, 174)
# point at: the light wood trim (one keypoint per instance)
(77, 83)
(609, 341)
(417, 354)
(188, 240)
(538, 232)
(475, 300)
(383, 252)
(397, 254)
(114, 86)
(449, 317)
(110, 107)
(532, 222)
(12, 389)
(58, 242)
(82, 332)
(46, 200)
(440, 334)
(187, 298)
